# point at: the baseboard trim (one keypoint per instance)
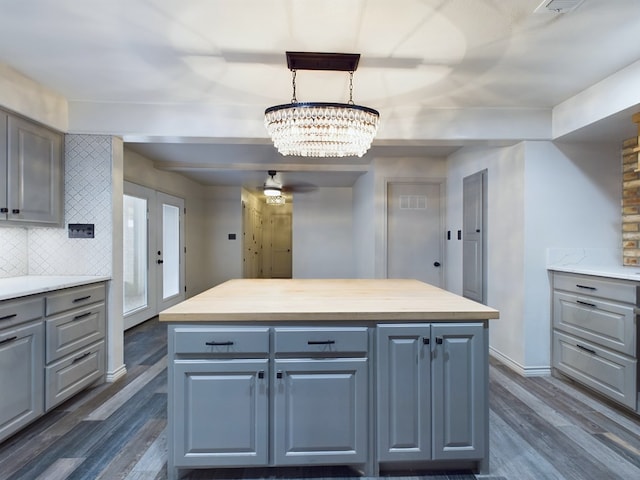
(116, 374)
(540, 371)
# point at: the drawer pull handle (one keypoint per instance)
(219, 344)
(586, 287)
(425, 340)
(7, 340)
(587, 304)
(15, 211)
(81, 299)
(4, 210)
(261, 374)
(279, 375)
(439, 340)
(84, 355)
(78, 317)
(592, 352)
(7, 317)
(321, 342)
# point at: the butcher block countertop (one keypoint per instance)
(250, 300)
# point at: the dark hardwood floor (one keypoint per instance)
(541, 429)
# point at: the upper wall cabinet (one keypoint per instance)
(31, 158)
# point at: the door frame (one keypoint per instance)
(441, 183)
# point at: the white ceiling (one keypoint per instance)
(186, 82)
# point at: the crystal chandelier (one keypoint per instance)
(321, 129)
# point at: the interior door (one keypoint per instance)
(281, 245)
(473, 229)
(415, 231)
(153, 252)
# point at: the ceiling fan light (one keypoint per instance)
(272, 191)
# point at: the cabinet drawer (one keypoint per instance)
(68, 376)
(221, 340)
(319, 340)
(602, 370)
(611, 325)
(14, 312)
(596, 287)
(71, 331)
(73, 298)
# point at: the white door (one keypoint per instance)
(415, 231)
(153, 252)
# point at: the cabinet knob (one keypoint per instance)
(4, 210)
(15, 211)
(425, 340)
(279, 375)
(261, 374)
(439, 340)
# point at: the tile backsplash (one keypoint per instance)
(88, 199)
(13, 252)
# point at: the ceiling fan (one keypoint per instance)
(273, 186)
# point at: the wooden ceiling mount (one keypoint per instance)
(342, 62)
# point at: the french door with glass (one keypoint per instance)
(153, 253)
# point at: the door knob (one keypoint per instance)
(436, 264)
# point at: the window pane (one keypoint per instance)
(171, 251)
(135, 254)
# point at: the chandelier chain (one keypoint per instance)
(351, 88)
(293, 81)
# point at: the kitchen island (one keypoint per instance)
(376, 374)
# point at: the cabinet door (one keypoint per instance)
(459, 376)
(21, 376)
(34, 186)
(220, 413)
(320, 411)
(404, 393)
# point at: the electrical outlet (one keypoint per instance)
(81, 230)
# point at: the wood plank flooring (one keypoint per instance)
(541, 429)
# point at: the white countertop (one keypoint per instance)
(612, 271)
(14, 287)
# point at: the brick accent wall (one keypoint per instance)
(630, 203)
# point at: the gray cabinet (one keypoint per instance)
(21, 364)
(403, 392)
(595, 334)
(75, 325)
(305, 395)
(51, 347)
(220, 413)
(219, 397)
(459, 391)
(31, 160)
(431, 390)
(320, 395)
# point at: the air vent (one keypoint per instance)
(558, 6)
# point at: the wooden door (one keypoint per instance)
(281, 245)
(473, 230)
(415, 232)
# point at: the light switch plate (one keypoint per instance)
(81, 230)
